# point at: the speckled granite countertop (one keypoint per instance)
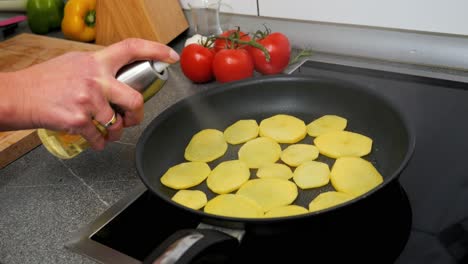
(44, 200)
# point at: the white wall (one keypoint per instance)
(244, 7)
(434, 16)
(440, 16)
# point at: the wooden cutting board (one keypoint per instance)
(20, 52)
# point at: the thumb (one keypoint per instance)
(133, 49)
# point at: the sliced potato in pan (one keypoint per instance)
(296, 154)
(326, 123)
(338, 144)
(233, 205)
(259, 152)
(283, 128)
(205, 146)
(269, 192)
(312, 174)
(194, 199)
(286, 210)
(241, 131)
(185, 175)
(275, 170)
(328, 199)
(354, 175)
(228, 176)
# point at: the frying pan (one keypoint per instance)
(163, 143)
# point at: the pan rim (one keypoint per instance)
(264, 79)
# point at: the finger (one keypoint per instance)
(114, 132)
(101, 110)
(93, 136)
(98, 137)
(129, 101)
(133, 49)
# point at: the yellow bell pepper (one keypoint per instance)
(79, 20)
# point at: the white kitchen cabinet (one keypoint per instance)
(244, 7)
(439, 16)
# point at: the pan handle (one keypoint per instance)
(194, 246)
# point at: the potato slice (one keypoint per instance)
(296, 154)
(312, 174)
(241, 131)
(275, 170)
(205, 146)
(259, 152)
(326, 123)
(269, 192)
(233, 205)
(194, 199)
(283, 128)
(286, 210)
(228, 176)
(354, 175)
(328, 199)
(185, 175)
(338, 144)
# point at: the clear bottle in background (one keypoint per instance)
(147, 77)
(205, 17)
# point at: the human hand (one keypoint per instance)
(66, 93)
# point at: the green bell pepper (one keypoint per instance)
(44, 15)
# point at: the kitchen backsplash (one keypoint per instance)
(447, 17)
(418, 32)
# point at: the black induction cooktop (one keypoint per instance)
(421, 218)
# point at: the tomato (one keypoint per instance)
(196, 62)
(220, 44)
(232, 65)
(277, 44)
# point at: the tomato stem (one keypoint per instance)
(207, 42)
(259, 34)
(235, 39)
(303, 53)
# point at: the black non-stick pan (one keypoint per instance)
(163, 143)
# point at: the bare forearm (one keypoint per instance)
(13, 115)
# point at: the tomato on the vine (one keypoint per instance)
(221, 44)
(277, 44)
(196, 62)
(232, 65)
